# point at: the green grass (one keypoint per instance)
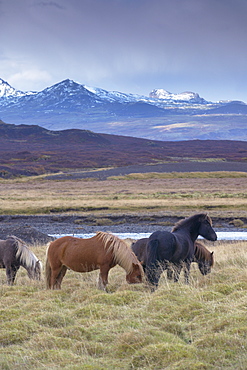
(199, 326)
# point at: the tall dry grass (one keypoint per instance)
(199, 326)
(142, 193)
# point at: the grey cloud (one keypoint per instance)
(131, 45)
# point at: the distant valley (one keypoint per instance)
(160, 116)
(27, 150)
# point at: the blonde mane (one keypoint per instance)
(123, 255)
(28, 258)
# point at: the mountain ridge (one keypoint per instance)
(164, 115)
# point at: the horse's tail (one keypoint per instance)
(152, 261)
(152, 251)
(47, 270)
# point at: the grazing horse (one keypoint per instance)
(103, 251)
(176, 247)
(13, 254)
(202, 256)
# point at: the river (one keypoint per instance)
(221, 235)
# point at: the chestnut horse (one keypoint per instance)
(13, 254)
(103, 251)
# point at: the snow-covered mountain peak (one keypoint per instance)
(184, 96)
(7, 91)
(67, 88)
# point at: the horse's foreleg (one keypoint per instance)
(103, 278)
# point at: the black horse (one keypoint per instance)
(202, 256)
(13, 254)
(176, 247)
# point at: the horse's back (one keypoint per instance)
(76, 253)
(8, 249)
(164, 244)
(161, 235)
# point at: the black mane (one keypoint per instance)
(191, 220)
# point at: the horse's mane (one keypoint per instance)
(23, 252)
(190, 220)
(203, 254)
(123, 255)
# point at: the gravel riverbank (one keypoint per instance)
(38, 229)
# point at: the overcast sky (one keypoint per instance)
(131, 46)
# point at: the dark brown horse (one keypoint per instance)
(176, 247)
(103, 251)
(13, 254)
(202, 256)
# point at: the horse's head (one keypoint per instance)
(136, 275)
(38, 270)
(206, 229)
(205, 266)
(35, 272)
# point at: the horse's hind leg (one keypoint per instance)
(11, 274)
(169, 269)
(61, 276)
(57, 277)
(153, 275)
(169, 273)
(177, 270)
(187, 272)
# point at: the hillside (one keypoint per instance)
(33, 150)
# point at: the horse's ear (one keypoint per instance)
(212, 253)
(135, 264)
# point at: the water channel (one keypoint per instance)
(221, 235)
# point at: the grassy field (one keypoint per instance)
(199, 326)
(222, 194)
